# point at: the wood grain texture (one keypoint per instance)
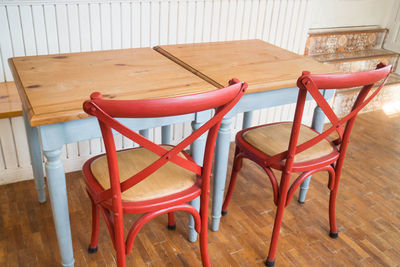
(53, 87)
(262, 65)
(10, 104)
(167, 180)
(367, 213)
(273, 139)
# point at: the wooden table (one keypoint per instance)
(53, 87)
(271, 73)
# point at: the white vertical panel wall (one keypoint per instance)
(50, 27)
(392, 41)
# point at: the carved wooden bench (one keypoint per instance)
(353, 49)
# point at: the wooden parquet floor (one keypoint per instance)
(368, 215)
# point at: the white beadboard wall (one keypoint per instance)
(392, 41)
(50, 27)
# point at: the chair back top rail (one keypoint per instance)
(163, 107)
(347, 80)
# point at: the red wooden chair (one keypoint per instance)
(153, 179)
(292, 147)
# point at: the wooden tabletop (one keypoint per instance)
(10, 104)
(53, 87)
(262, 65)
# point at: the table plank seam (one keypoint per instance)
(187, 66)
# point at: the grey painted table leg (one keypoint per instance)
(36, 159)
(145, 133)
(221, 165)
(166, 134)
(59, 204)
(317, 124)
(197, 152)
(247, 119)
(220, 169)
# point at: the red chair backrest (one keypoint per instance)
(107, 110)
(312, 83)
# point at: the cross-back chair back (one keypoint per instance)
(313, 83)
(300, 139)
(110, 200)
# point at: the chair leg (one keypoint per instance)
(171, 221)
(119, 241)
(332, 213)
(95, 228)
(121, 258)
(203, 235)
(237, 165)
(275, 233)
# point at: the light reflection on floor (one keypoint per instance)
(392, 108)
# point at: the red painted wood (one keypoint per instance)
(171, 219)
(95, 225)
(332, 163)
(151, 215)
(109, 201)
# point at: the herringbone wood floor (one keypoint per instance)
(368, 217)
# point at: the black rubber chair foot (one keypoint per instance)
(301, 202)
(171, 227)
(92, 250)
(224, 212)
(333, 235)
(269, 263)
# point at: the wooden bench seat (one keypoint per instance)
(10, 103)
(355, 55)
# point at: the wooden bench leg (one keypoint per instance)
(36, 159)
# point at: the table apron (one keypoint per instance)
(54, 136)
(267, 99)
